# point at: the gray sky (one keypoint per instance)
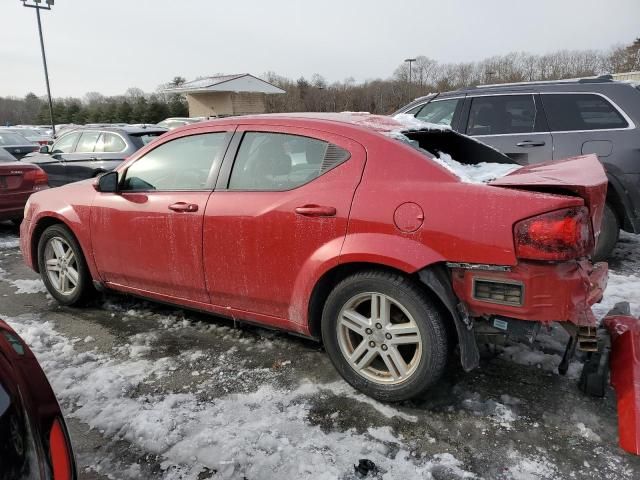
(110, 45)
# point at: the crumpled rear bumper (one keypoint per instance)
(560, 292)
(625, 377)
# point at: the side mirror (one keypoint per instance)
(44, 149)
(107, 183)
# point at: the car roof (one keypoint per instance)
(128, 130)
(377, 123)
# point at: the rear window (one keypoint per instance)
(10, 138)
(147, 137)
(571, 112)
(6, 156)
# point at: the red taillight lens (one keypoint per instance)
(37, 176)
(555, 236)
(59, 452)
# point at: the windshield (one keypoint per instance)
(10, 138)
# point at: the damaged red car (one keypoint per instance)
(390, 242)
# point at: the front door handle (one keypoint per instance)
(316, 211)
(184, 207)
(530, 143)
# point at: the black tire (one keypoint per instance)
(609, 234)
(428, 363)
(84, 286)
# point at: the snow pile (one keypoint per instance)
(9, 241)
(529, 468)
(262, 434)
(482, 172)
(409, 122)
(29, 286)
(499, 413)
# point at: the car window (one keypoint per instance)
(87, 142)
(278, 161)
(65, 143)
(567, 112)
(414, 110)
(501, 114)
(180, 164)
(112, 143)
(439, 111)
(10, 138)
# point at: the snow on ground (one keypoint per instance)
(29, 286)
(262, 434)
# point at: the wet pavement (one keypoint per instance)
(151, 391)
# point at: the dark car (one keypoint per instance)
(87, 152)
(16, 144)
(34, 442)
(536, 122)
(18, 180)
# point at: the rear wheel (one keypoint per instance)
(62, 266)
(384, 336)
(609, 233)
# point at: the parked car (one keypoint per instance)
(35, 442)
(348, 228)
(16, 144)
(32, 134)
(175, 122)
(88, 152)
(538, 121)
(18, 180)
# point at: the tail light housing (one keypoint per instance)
(37, 176)
(60, 452)
(555, 236)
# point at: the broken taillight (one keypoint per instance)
(60, 452)
(555, 236)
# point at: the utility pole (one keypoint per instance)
(37, 4)
(410, 61)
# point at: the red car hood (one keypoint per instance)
(582, 176)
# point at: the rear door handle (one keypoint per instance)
(316, 211)
(530, 143)
(184, 207)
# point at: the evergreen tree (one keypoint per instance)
(124, 111)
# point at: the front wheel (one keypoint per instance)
(62, 266)
(384, 335)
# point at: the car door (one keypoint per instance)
(54, 163)
(512, 123)
(280, 206)
(78, 164)
(148, 236)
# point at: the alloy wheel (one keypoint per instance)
(379, 338)
(61, 265)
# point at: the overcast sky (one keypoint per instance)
(110, 45)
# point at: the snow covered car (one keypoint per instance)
(34, 442)
(388, 241)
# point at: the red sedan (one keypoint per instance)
(354, 229)
(18, 180)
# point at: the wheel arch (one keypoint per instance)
(41, 224)
(616, 198)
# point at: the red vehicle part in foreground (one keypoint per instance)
(625, 377)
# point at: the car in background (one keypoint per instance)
(87, 152)
(18, 180)
(535, 122)
(394, 252)
(175, 122)
(35, 442)
(16, 144)
(32, 134)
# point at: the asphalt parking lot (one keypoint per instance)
(154, 391)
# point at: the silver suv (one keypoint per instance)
(535, 122)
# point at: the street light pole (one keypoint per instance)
(410, 61)
(38, 6)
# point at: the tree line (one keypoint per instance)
(318, 95)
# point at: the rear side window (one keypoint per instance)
(570, 112)
(110, 143)
(278, 161)
(147, 137)
(87, 142)
(10, 138)
(439, 111)
(502, 114)
(180, 164)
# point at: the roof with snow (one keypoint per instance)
(243, 82)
